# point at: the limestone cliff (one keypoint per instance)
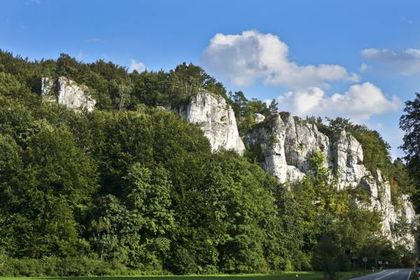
(217, 120)
(68, 93)
(286, 144)
(210, 112)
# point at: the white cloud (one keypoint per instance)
(80, 55)
(358, 103)
(406, 62)
(252, 55)
(136, 65)
(363, 67)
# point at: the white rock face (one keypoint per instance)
(217, 120)
(259, 118)
(68, 93)
(392, 219)
(348, 160)
(287, 144)
(47, 89)
(408, 209)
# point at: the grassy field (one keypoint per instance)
(278, 276)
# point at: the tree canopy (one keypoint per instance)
(134, 188)
(410, 124)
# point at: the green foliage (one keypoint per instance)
(375, 149)
(410, 124)
(136, 188)
(51, 186)
(53, 266)
(136, 229)
(245, 110)
(375, 155)
(361, 194)
(325, 224)
(249, 216)
(130, 188)
(187, 79)
(9, 85)
(328, 257)
(232, 217)
(114, 88)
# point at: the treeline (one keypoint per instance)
(111, 85)
(410, 124)
(134, 189)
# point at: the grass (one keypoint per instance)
(277, 276)
(352, 274)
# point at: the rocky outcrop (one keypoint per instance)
(393, 219)
(287, 143)
(217, 120)
(68, 93)
(348, 160)
(259, 118)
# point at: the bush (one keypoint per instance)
(52, 266)
(288, 266)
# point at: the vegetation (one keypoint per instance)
(246, 110)
(410, 123)
(375, 155)
(130, 188)
(275, 276)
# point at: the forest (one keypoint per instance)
(133, 189)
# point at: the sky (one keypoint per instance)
(357, 59)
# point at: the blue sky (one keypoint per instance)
(359, 59)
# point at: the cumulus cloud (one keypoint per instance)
(359, 102)
(406, 62)
(252, 55)
(136, 65)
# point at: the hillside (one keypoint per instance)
(109, 172)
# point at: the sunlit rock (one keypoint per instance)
(67, 93)
(216, 119)
(286, 145)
